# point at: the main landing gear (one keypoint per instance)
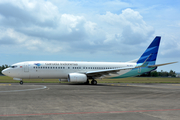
(21, 82)
(93, 82)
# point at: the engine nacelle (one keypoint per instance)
(77, 77)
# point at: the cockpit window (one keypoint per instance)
(14, 66)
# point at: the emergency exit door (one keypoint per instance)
(26, 67)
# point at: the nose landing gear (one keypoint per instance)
(21, 82)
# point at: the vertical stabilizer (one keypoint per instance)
(150, 55)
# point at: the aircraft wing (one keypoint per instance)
(161, 64)
(100, 73)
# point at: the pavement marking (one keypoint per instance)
(72, 113)
(175, 84)
(117, 85)
(43, 87)
(5, 84)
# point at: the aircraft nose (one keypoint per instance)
(5, 72)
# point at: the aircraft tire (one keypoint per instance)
(21, 82)
(94, 82)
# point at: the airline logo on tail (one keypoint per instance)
(150, 55)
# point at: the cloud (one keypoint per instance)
(132, 28)
(7, 40)
(40, 26)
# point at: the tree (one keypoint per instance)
(159, 74)
(154, 74)
(3, 67)
(172, 73)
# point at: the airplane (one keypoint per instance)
(84, 71)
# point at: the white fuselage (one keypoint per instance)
(60, 69)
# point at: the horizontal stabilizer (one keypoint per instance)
(161, 64)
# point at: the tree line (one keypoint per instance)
(3, 67)
(171, 73)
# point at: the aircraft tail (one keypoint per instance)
(148, 58)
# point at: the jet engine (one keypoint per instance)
(77, 77)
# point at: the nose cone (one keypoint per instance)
(5, 72)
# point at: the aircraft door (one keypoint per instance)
(26, 67)
(139, 70)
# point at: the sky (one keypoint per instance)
(88, 30)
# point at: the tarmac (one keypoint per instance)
(57, 101)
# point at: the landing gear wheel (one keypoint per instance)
(21, 82)
(94, 82)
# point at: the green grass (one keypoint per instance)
(5, 79)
